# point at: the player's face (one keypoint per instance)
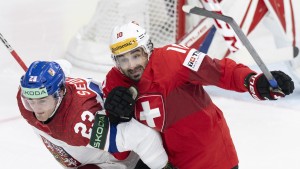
(43, 107)
(133, 63)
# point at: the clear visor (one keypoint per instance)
(39, 104)
(131, 58)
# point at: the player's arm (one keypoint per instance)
(129, 136)
(227, 74)
(143, 140)
(199, 68)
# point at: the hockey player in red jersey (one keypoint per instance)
(172, 100)
(67, 114)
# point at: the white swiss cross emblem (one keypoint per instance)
(149, 114)
(150, 111)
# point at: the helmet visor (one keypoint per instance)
(132, 58)
(37, 99)
(44, 104)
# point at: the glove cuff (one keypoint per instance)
(252, 89)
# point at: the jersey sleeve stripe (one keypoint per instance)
(95, 87)
(113, 133)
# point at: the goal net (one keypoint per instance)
(163, 20)
(166, 23)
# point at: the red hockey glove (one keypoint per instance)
(260, 89)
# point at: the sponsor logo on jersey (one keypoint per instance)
(124, 46)
(100, 131)
(193, 59)
(34, 93)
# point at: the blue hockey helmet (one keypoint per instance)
(42, 79)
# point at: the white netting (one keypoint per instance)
(90, 47)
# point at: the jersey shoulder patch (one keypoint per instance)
(194, 59)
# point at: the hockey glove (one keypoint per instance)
(260, 89)
(119, 104)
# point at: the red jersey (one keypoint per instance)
(172, 100)
(80, 132)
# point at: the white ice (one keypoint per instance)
(266, 134)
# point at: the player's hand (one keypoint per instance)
(260, 89)
(119, 104)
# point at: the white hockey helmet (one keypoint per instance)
(127, 37)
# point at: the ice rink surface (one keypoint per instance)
(266, 134)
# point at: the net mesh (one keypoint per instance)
(89, 48)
